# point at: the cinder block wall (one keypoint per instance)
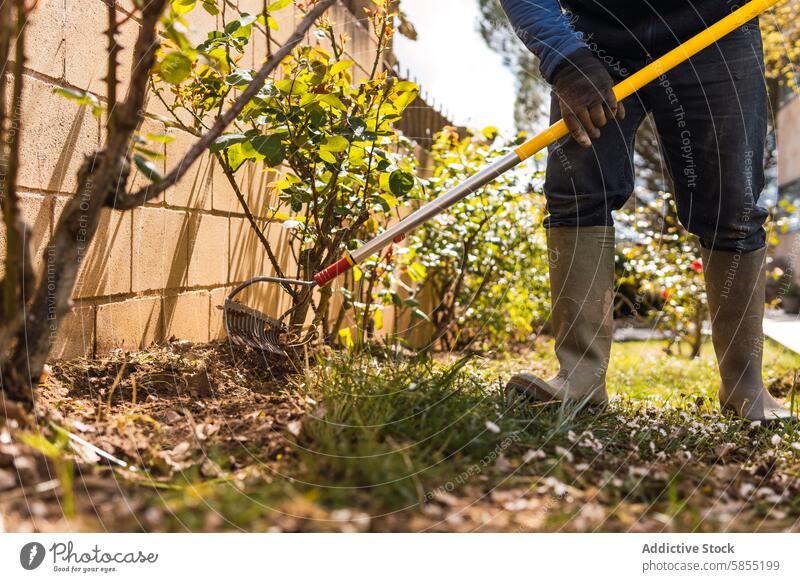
(161, 270)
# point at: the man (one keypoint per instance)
(711, 118)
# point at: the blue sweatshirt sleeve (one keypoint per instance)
(544, 29)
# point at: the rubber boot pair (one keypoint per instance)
(582, 287)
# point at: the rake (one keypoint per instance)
(247, 326)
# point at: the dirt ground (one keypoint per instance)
(207, 438)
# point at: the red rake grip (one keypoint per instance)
(328, 274)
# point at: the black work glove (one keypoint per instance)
(585, 92)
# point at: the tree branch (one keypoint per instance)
(113, 51)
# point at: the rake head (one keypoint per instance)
(246, 326)
(249, 327)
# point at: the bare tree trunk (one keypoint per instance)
(99, 178)
(19, 275)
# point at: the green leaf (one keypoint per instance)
(340, 66)
(175, 67)
(148, 168)
(150, 154)
(236, 156)
(401, 183)
(183, 6)
(249, 152)
(227, 140)
(358, 125)
(271, 147)
(292, 86)
(241, 27)
(327, 156)
(82, 98)
(278, 5)
(390, 200)
(418, 313)
(333, 101)
(406, 86)
(160, 138)
(405, 99)
(239, 78)
(383, 180)
(335, 143)
(211, 7)
(41, 444)
(247, 19)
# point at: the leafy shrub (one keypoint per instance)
(344, 170)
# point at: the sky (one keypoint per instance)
(453, 64)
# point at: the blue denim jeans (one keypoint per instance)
(710, 114)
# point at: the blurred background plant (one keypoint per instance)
(480, 269)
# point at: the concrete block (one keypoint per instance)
(208, 250)
(127, 6)
(75, 336)
(194, 189)
(37, 212)
(200, 24)
(56, 136)
(256, 50)
(224, 196)
(106, 262)
(86, 46)
(185, 316)
(216, 327)
(160, 249)
(34, 210)
(44, 37)
(131, 325)
(247, 256)
(788, 119)
(249, 259)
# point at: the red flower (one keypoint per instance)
(697, 266)
(665, 294)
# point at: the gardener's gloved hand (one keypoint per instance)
(585, 92)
